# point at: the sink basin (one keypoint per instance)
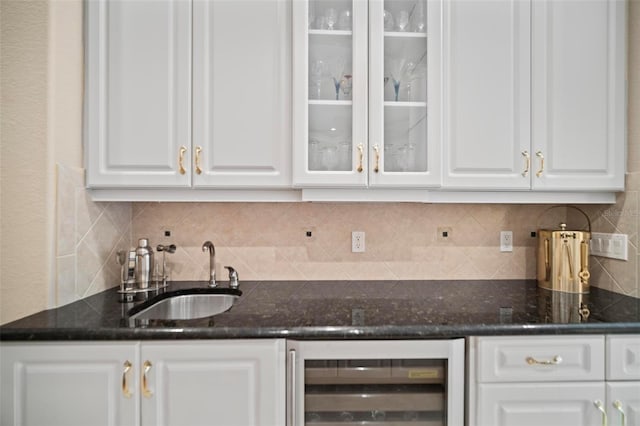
(186, 304)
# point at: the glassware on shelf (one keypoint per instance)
(402, 21)
(406, 157)
(346, 85)
(314, 154)
(404, 73)
(390, 163)
(344, 21)
(419, 21)
(332, 18)
(329, 157)
(396, 71)
(388, 20)
(336, 70)
(344, 155)
(317, 71)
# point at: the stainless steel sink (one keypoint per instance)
(185, 304)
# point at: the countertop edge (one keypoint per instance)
(317, 333)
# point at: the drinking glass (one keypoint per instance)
(346, 85)
(344, 21)
(336, 69)
(396, 70)
(314, 154)
(403, 20)
(419, 19)
(332, 17)
(329, 157)
(317, 70)
(388, 20)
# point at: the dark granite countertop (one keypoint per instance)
(349, 310)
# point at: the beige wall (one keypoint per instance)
(57, 245)
(25, 170)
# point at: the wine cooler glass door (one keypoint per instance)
(408, 383)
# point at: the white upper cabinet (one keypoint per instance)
(534, 95)
(188, 93)
(242, 93)
(487, 97)
(138, 101)
(578, 94)
(364, 73)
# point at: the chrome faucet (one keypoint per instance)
(208, 245)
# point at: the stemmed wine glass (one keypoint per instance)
(396, 70)
(404, 71)
(317, 70)
(336, 69)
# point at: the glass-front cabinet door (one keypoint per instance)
(404, 86)
(330, 92)
(364, 75)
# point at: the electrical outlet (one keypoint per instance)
(506, 241)
(357, 242)
(614, 246)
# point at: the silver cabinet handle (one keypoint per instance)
(554, 361)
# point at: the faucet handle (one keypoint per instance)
(233, 277)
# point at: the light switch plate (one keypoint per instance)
(614, 246)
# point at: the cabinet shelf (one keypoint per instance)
(327, 102)
(397, 34)
(330, 33)
(401, 104)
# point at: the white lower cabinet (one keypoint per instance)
(66, 384)
(556, 380)
(623, 380)
(230, 382)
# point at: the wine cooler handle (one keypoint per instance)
(292, 388)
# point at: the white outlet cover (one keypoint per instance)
(613, 246)
(506, 241)
(357, 242)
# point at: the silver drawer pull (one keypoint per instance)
(555, 361)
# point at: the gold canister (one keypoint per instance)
(563, 259)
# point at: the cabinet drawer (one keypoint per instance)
(623, 358)
(540, 359)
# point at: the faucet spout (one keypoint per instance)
(208, 245)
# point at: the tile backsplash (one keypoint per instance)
(312, 241)
(87, 237)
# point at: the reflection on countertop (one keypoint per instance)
(349, 310)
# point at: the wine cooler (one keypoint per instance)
(382, 383)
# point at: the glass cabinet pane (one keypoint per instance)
(375, 391)
(330, 85)
(405, 85)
